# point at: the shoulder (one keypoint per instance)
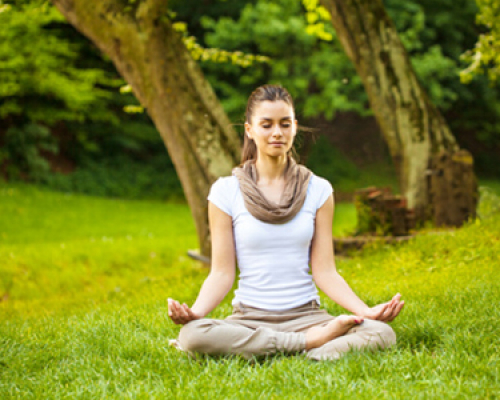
(319, 189)
(223, 192)
(225, 183)
(319, 184)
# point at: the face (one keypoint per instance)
(273, 128)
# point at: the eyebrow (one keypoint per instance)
(282, 119)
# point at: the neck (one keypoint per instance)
(271, 169)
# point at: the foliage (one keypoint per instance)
(484, 57)
(316, 16)
(22, 146)
(317, 73)
(124, 177)
(327, 161)
(41, 79)
(86, 313)
(52, 76)
(54, 81)
(474, 116)
(216, 55)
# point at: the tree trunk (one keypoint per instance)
(413, 128)
(151, 57)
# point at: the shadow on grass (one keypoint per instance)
(420, 338)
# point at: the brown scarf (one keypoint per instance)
(292, 199)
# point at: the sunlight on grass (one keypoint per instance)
(84, 283)
(344, 221)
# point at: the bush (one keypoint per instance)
(22, 151)
(122, 176)
(327, 161)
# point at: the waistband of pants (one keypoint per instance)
(310, 305)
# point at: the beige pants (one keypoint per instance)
(251, 331)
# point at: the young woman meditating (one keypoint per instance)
(275, 217)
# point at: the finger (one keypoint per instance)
(172, 308)
(387, 312)
(182, 311)
(381, 312)
(394, 308)
(179, 308)
(397, 310)
(186, 312)
(175, 311)
(393, 304)
(395, 300)
(389, 315)
(385, 317)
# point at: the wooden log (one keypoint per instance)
(345, 245)
(380, 212)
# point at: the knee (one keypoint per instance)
(382, 332)
(385, 333)
(192, 335)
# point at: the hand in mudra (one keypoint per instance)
(385, 312)
(180, 313)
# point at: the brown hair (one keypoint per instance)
(262, 93)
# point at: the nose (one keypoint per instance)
(277, 130)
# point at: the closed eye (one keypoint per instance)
(267, 126)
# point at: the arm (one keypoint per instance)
(222, 273)
(328, 279)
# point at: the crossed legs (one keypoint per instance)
(258, 332)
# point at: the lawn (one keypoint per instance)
(84, 283)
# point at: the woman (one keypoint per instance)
(275, 217)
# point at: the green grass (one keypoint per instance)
(87, 281)
(491, 184)
(345, 219)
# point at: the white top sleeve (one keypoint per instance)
(325, 190)
(220, 195)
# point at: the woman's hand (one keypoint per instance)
(180, 313)
(385, 312)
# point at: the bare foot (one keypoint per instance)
(319, 335)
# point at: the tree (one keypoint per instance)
(149, 53)
(412, 126)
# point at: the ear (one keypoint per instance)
(248, 128)
(295, 127)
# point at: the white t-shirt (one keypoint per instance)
(273, 259)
